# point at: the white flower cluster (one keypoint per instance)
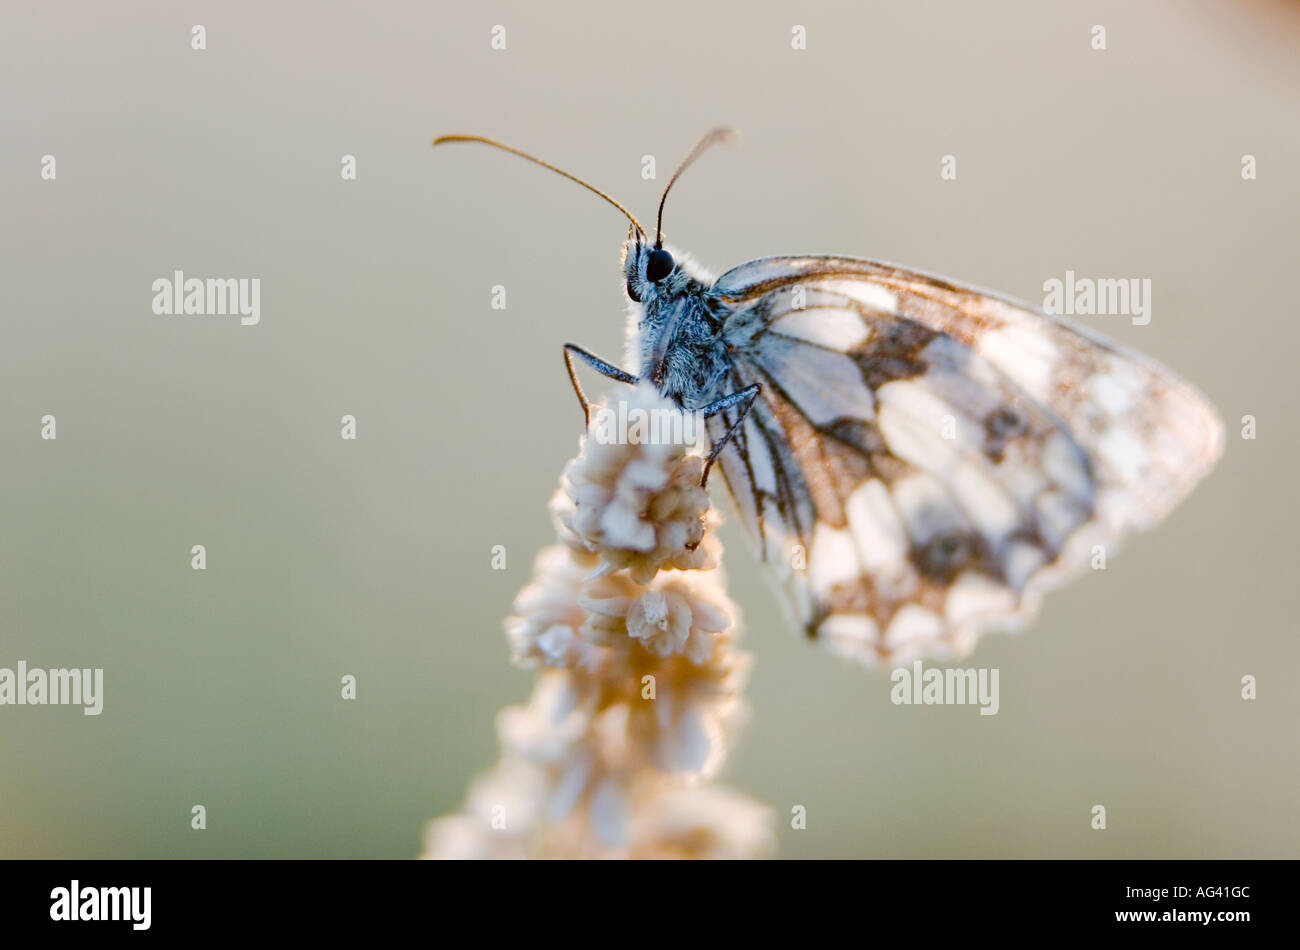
(628, 619)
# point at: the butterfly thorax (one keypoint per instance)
(682, 351)
(679, 345)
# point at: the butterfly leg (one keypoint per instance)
(745, 399)
(596, 363)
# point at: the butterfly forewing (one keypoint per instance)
(924, 458)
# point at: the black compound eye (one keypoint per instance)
(659, 266)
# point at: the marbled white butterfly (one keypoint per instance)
(914, 460)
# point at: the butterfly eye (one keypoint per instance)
(659, 266)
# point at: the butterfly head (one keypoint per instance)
(651, 271)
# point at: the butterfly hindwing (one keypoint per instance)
(924, 458)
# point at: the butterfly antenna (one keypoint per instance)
(443, 139)
(716, 137)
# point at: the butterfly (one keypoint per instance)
(914, 460)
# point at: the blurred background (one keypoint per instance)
(372, 558)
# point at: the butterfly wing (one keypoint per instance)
(925, 458)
